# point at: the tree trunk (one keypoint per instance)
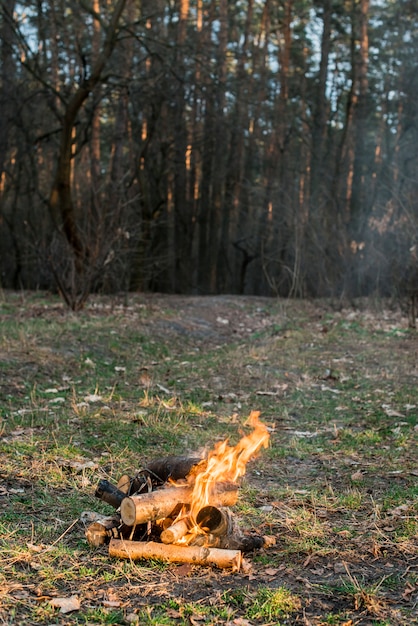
(61, 199)
(320, 117)
(7, 105)
(358, 210)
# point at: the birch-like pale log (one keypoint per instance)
(161, 502)
(196, 555)
(175, 532)
(100, 531)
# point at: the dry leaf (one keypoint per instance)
(391, 412)
(271, 571)
(318, 571)
(92, 398)
(184, 570)
(78, 466)
(66, 605)
(339, 568)
(399, 510)
(269, 541)
(409, 589)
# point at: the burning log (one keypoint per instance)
(174, 467)
(214, 521)
(159, 472)
(176, 554)
(175, 532)
(138, 509)
(222, 531)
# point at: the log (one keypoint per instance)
(215, 521)
(174, 467)
(129, 485)
(175, 532)
(157, 473)
(102, 530)
(196, 555)
(109, 493)
(160, 503)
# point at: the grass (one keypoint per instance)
(98, 394)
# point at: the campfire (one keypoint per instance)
(177, 508)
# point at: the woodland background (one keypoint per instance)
(209, 146)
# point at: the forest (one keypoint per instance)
(259, 147)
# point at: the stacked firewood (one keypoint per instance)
(153, 517)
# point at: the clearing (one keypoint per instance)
(129, 380)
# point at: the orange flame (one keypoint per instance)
(227, 464)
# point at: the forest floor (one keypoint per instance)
(96, 394)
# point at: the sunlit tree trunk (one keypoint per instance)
(95, 124)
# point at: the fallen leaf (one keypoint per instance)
(246, 567)
(66, 605)
(269, 541)
(92, 398)
(399, 510)
(78, 466)
(184, 570)
(307, 560)
(266, 508)
(35, 548)
(326, 388)
(271, 571)
(339, 568)
(409, 589)
(391, 412)
(111, 603)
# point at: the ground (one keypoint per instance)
(135, 378)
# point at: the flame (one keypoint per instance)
(227, 463)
